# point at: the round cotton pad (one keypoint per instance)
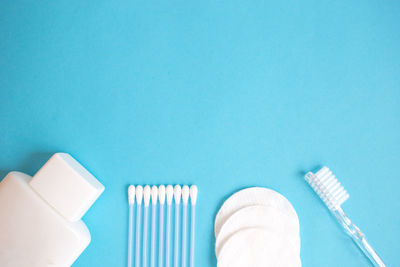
(266, 217)
(249, 197)
(257, 248)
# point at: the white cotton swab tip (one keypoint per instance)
(177, 194)
(161, 194)
(170, 194)
(185, 194)
(139, 194)
(193, 194)
(131, 194)
(146, 195)
(154, 195)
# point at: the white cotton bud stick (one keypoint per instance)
(131, 201)
(185, 198)
(154, 195)
(193, 199)
(177, 198)
(170, 195)
(161, 196)
(146, 199)
(139, 197)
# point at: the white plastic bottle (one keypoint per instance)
(40, 217)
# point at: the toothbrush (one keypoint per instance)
(177, 197)
(146, 199)
(139, 196)
(334, 195)
(170, 194)
(131, 201)
(154, 195)
(161, 196)
(185, 198)
(193, 199)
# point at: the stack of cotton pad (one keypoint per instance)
(257, 227)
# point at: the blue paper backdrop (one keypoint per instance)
(223, 94)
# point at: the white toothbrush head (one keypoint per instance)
(154, 195)
(193, 194)
(131, 194)
(327, 187)
(170, 194)
(139, 194)
(177, 194)
(185, 194)
(146, 195)
(161, 194)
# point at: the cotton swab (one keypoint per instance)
(139, 196)
(146, 200)
(161, 196)
(131, 201)
(170, 194)
(193, 199)
(185, 198)
(154, 195)
(177, 197)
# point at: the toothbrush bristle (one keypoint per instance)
(327, 187)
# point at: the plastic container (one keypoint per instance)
(40, 217)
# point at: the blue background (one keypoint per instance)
(223, 94)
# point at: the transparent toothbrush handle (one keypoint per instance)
(358, 238)
(370, 252)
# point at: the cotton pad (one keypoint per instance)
(249, 197)
(257, 247)
(266, 217)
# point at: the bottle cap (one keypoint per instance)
(66, 186)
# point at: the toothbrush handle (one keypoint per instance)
(358, 238)
(369, 251)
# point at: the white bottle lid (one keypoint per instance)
(66, 186)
